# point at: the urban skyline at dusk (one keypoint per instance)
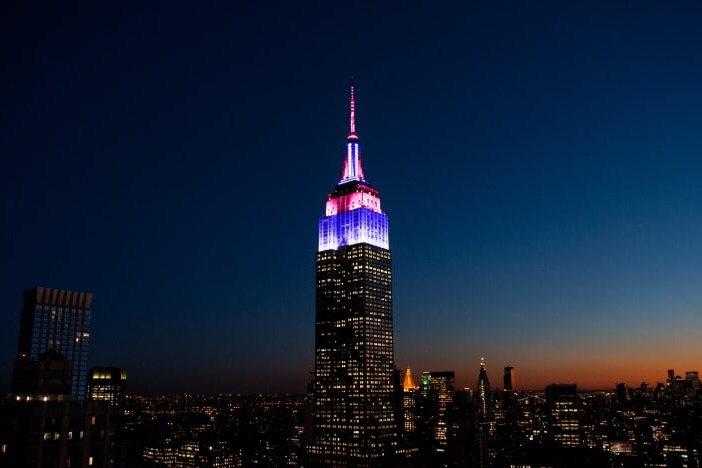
(539, 165)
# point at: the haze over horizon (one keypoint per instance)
(539, 164)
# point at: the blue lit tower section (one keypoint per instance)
(353, 417)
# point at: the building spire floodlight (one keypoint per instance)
(352, 170)
(408, 385)
(352, 120)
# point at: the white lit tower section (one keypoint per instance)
(353, 388)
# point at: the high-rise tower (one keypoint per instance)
(563, 419)
(409, 403)
(56, 320)
(509, 379)
(353, 388)
(484, 393)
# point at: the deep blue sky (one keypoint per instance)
(540, 163)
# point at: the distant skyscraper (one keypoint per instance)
(484, 393)
(674, 385)
(563, 418)
(693, 380)
(441, 388)
(409, 403)
(108, 384)
(353, 413)
(56, 320)
(622, 394)
(510, 381)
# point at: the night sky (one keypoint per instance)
(540, 163)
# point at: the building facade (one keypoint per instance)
(107, 384)
(54, 434)
(563, 417)
(353, 414)
(56, 320)
(49, 377)
(439, 389)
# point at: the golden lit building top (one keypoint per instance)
(408, 385)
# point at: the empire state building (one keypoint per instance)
(353, 419)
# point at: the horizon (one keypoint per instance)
(539, 165)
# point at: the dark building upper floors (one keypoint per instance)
(57, 434)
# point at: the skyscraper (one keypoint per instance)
(56, 320)
(484, 393)
(510, 383)
(409, 403)
(107, 384)
(563, 419)
(353, 416)
(440, 387)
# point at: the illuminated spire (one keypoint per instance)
(352, 163)
(408, 385)
(352, 120)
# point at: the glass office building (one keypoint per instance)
(57, 320)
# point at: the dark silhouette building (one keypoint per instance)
(36, 433)
(56, 320)
(47, 377)
(353, 416)
(510, 380)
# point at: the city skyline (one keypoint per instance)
(541, 164)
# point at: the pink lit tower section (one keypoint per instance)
(353, 417)
(353, 214)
